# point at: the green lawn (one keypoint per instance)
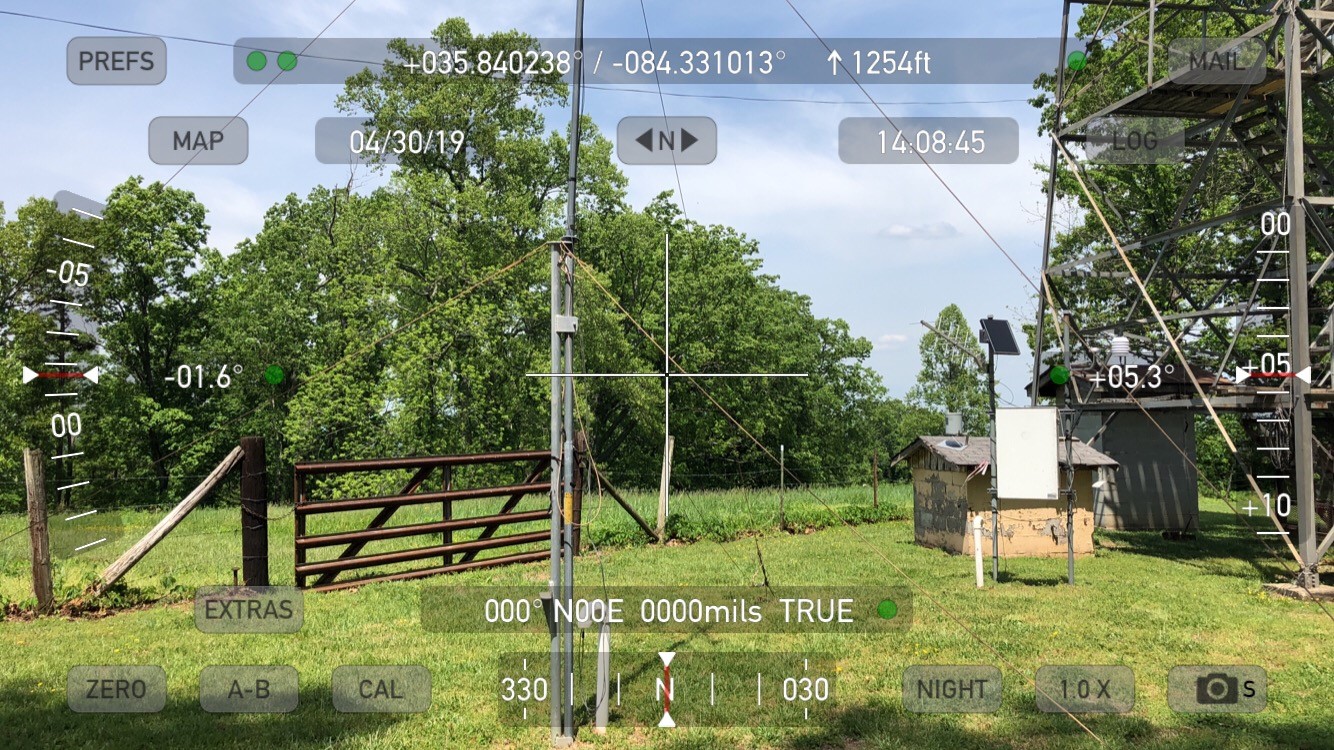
(1143, 602)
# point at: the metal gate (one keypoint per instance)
(449, 555)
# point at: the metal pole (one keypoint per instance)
(567, 546)
(995, 505)
(1299, 332)
(562, 424)
(782, 485)
(1068, 424)
(1051, 205)
(1153, 25)
(557, 682)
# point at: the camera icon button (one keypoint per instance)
(1219, 689)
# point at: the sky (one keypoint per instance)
(880, 246)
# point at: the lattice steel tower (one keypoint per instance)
(1221, 241)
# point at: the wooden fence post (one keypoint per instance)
(875, 479)
(664, 487)
(134, 554)
(254, 512)
(37, 532)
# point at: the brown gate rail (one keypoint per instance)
(454, 556)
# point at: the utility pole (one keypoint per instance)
(563, 326)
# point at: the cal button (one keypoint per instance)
(381, 689)
(116, 60)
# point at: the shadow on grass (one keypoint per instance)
(45, 721)
(883, 724)
(1224, 546)
(1005, 576)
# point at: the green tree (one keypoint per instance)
(950, 380)
(30, 245)
(148, 299)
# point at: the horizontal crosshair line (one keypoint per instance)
(669, 374)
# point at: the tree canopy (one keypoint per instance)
(404, 320)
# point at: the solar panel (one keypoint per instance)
(997, 333)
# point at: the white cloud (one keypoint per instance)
(933, 231)
(891, 340)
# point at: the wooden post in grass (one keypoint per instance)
(663, 487)
(37, 533)
(782, 486)
(875, 479)
(254, 512)
(142, 547)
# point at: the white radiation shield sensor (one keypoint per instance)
(1026, 454)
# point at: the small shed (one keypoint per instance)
(1157, 488)
(951, 477)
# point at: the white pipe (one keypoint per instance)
(604, 678)
(977, 548)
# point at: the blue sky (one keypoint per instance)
(880, 246)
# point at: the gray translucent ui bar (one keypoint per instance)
(116, 60)
(934, 140)
(801, 60)
(198, 141)
(116, 689)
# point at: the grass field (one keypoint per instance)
(1143, 602)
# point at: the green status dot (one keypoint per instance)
(1077, 60)
(287, 60)
(273, 375)
(887, 609)
(256, 60)
(1060, 375)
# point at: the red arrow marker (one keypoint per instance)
(29, 375)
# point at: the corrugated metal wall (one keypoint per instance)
(1155, 488)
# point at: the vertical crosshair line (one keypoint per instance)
(667, 341)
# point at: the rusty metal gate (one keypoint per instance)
(450, 555)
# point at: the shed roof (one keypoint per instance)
(977, 450)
